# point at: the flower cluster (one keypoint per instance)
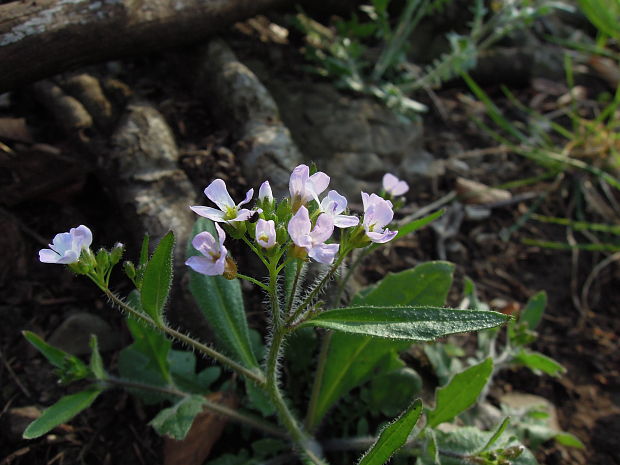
(303, 224)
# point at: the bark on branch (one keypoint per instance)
(42, 38)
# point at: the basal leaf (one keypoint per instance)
(354, 359)
(426, 284)
(146, 359)
(61, 412)
(534, 309)
(391, 392)
(407, 322)
(221, 302)
(464, 444)
(157, 279)
(460, 393)
(96, 362)
(538, 362)
(176, 421)
(393, 436)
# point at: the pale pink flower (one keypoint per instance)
(228, 212)
(304, 187)
(313, 240)
(213, 261)
(266, 233)
(394, 186)
(378, 214)
(67, 247)
(333, 204)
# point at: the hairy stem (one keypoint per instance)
(301, 438)
(299, 310)
(257, 377)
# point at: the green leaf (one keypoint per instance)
(389, 393)
(463, 445)
(426, 284)
(536, 361)
(54, 355)
(570, 440)
(351, 359)
(157, 279)
(393, 436)
(146, 360)
(221, 303)
(183, 370)
(408, 323)
(460, 393)
(61, 412)
(96, 363)
(533, 311)
(176, 421)
(497, 434)
(70, 368)
(418, 224)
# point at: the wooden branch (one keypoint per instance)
(42, 38)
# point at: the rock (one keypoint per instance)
(522, 402)
(155, 194)
(473, 192)
(88, 91)
(264, 145)
(18, 419)
(73, 334)
(355, 139)
(68, 112)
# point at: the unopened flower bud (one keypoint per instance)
(129, 269)
(116, 253)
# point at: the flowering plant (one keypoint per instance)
(358, 341)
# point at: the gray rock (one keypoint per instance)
(155, 194)
(354, 139)
(265, 147)
(74, 334)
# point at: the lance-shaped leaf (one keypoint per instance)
(352, 359)
(393, 436)
(70, 368)
(536, 361)
(460, 393)
(61, 412)
(157, 279)
(406, 322)
(533, 311)
(221, 302)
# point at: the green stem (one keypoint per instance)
(291, 319)
(343, 282)
(272, 387)
(311, 420)
(213, 406)
(254, 281)
(255, 250)
(291, 297)
(258, 378)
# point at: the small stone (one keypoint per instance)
(73, 334)
(19, 418)
(473, 192)
(522, 402)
